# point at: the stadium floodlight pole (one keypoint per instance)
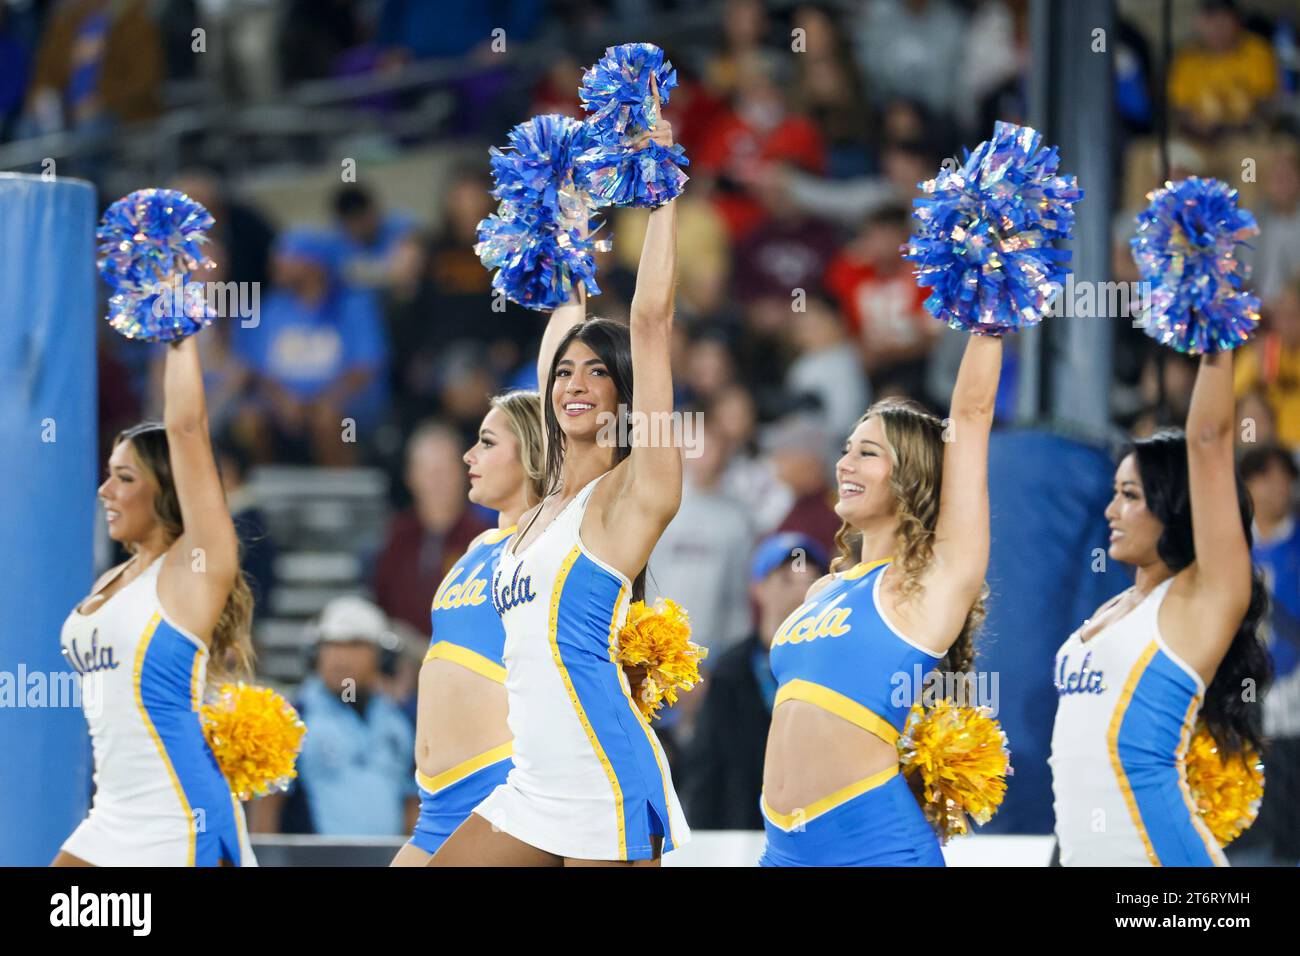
(1066, 362)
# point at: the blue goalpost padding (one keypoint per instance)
(49, 435)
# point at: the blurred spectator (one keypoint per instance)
(1270, 475)
(256, 549)
(419, 30)
(1276, 256)
(747, 478)
(785, 251)
(1255, 421)
(319, 355)
(379, 250)
(723, 765)
(356, 769)
(709, 364)
(424, 541)
(313, 37)
(830, 90)
(453, 304)
(240, 234)
(465, 385)
(796, 446)
(1218, 82)
(704, 254)
(554, 91)
(882, 303)
(904, 165)
(995, 54)
(744, 32)
(1133, 86)
(117, 399)
(1272, 361)
(15, 67)
(699, 561)
(912, 48)
(759, 128)
(226, 379)
(100, 63)
(828, 369)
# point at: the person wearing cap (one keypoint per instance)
(319, 355)
(723, 765)
(356, 766)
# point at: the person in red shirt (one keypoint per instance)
(882, 304)
(757, 130)
(424, 541)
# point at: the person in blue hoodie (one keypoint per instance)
(319, 355)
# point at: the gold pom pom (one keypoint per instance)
(1227, 792)
(956, 761)
(256, 736)
(658, 639)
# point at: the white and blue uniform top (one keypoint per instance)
(590, 780)
(160, 796)
(1126, 710)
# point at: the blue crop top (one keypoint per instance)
(466, 627)
(839, 652)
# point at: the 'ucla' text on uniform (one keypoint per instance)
(518, 591)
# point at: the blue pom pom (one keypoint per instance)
(616, 90)
(537, 265)
(536, 170)
(619, 176)
(1186, 247)
(534, 241)
(150, 242)
(983, 244)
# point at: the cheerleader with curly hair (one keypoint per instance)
(904, 597)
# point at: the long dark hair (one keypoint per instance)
(612, 343)
(1162, 464)
(231, 654)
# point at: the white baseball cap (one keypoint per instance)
(352, 618)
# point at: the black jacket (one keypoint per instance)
(724, 761)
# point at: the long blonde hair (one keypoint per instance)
(231, 652)
(914, 438)
(523, 412)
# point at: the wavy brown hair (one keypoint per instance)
(230, 655)
(914, 438)
(523, 411)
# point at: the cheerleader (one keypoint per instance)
(1181, 643)
(591, 784)
(151, 635)
(904, 597)
(462, 741)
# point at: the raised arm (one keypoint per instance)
(961, 539)
(653, 476)
(208, 549)
(1222, 573)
